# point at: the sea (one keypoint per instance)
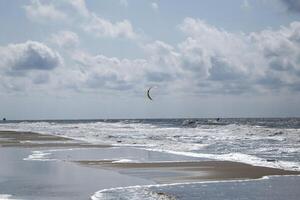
(270, 142)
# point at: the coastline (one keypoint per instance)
(36, 140)
(187, 171)
(92, 163)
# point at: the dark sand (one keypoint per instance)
(34, 140)
(191, 171)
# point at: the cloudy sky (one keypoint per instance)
(96, 58)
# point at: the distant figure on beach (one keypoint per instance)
(4, 119)
(218, 119)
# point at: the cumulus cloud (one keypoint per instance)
(41, 12)
(80, 6)
(99, 72)
(207, 47)
(23, 57)
(208, 60)
(65, 39)
(292, 5)
(257, 60)
(76, 11)
(104, 72)
(105, 28)
(164, 62)
(27, 66)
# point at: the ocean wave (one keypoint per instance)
(7, 197)
(239, 157)
(262, 139)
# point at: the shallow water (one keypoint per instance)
(54, 180)
(117, 154)
(275, 188)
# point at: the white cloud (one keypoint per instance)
(101, 72)
(23, 57)
(40, 12)
(105, 28)
(164, 61)
(207, 45)
(65, 39)
(80, 6)
(208, 60)
(79, 16)
(257, 61)
(27, 66)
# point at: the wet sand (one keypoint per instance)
(190, 171)
(54, 180)
(25, 179)
(34, 140)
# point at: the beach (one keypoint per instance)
(43, 166)
(150, 100)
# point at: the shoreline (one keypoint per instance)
(193, 171)
(116, 164)
(36, 140)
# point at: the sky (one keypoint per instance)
(94, 59)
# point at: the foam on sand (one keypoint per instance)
(124, 161)
(239, 157)
(138, 192)
(44, 155)
(285, 188)
(39, 156)
(7, 197)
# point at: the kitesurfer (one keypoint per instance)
(148, 94)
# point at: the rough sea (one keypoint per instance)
(272, 142)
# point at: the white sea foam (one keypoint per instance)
(150, 192)
(45, 155)
(7, 197)
(124, 161)
(138, 192)
(234, 142)
(239, 157)
(39, 156)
